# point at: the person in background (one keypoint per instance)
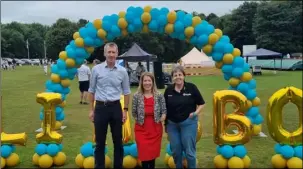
(45, 67)
(109, 80)
(96, 61)
(149, 111)
(139, 70)
(83, 74)
(184, 103)
(128, 68)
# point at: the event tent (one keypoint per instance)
(264, 53)
(196, 57)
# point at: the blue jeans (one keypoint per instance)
(182, 137)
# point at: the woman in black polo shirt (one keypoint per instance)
(184, 103)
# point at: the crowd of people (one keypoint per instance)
(176, 111)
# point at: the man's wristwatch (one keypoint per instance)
(125, 108)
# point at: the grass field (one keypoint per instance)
(20, 113)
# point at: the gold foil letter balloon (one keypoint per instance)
(126, 128)
(274, 115)
(49, 101)
(222, 120)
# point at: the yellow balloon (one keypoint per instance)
(218, 32)
(236, 52)
(70, 62)
(58, 125)
(169, 28)
(90, 50)
(65, 82)
(246, 161)
(122, 23)
(102, 33)
(278, 161)
(199, 132)
(108, 162)
(12, 160)
(220, 161)
(2, 162)
(62, 104)
(249, 104)
(79, 160)
(147, 8)
(219, 65)
(257, 129)
(246, 76)
(274, 116)
(97, 23)
(122, 14)
(233, 82)
(184, 162)
(166, 158)
(207, 49)
(228, 58)
(89, 162)
(171, 17)
(63, 55)
(235, 162)
(45, 161)
(79, 42)
(145, 29)
(294, 162)
(256, 101)
(189, 31)
(146, 18)
(76, 35)
(59, 159)
(171, 162)
(221, 120)
(124, 32)
(55, 78)
(36, 159)
(213, 38)
(196, 20)
(129, 162)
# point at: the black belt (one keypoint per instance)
(105, 103)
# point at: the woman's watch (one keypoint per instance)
(125, 108)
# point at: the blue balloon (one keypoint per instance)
(114, 18)
(153, 26)
(226, 68)
(134, 150)
(200, 29)
(110, 37)
(115, 31)
(129, 16)
(63, 74)
(48, 91)
(92, 32)
(127, 150)
(162, 20)
(238, 62)
(164, 11)
(251, 94)
(219, 47)
(138, 11)
(180, 15)
(224, 39)
(183, 154)
(252, 84)
(72, 71)
(287, 151)
(227, 151)
(226, 76)
(218, 149)
(71, 53)
(210, 29)
(61, 116)
(106, 25)
(52, 150)
(41, 115)
(88, 41)
(65, 90)
(60, 146)
(61, 64)
(253, 111)
(54, 69)
(89, 144)
(13, 148)
(228, 48)
(202, 40)
(138, 25)
(246, 67)
(79, 61)
(161, 30)
(204, 22)
(154, 13)
(237, 72)
(83, 32)
(89, 25)
(188, 20)
(57, 88)
(58, 109)
(168, 150)
(240, 151)
(242, 87)
(72, 44)
(131, 8)
(98, 42)
(259, 119)
(232, 88)
(193, 40)
(182, 36)
(277, 148)
(6, 151)
(178, 27)
(251, 120)
(41, 149)
(86, 150)
(81, 53)
(298, 151)
(63, 97)
(131, 28)
(48, 84)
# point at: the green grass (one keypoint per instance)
(20, 113)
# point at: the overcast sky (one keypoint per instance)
(47, 12)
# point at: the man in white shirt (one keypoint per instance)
(83, 75)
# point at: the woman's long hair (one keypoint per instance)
(141, 88)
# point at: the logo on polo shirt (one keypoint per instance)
(186, 94)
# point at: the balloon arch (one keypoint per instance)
(178, 25)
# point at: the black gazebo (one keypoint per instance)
(265, 54)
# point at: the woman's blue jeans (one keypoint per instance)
(182, 137)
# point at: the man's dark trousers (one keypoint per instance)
(109, 113)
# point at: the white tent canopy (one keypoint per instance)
(195, 57)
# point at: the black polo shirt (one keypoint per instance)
(180, 105)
